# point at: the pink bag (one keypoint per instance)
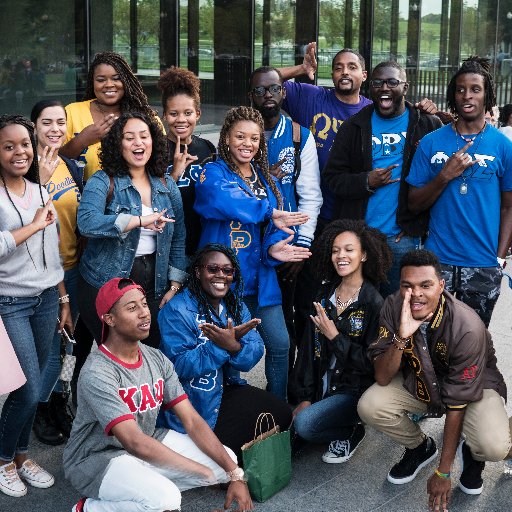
(11, 374)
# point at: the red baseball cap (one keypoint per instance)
(108, 295)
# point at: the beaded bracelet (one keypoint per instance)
(441, 475)
(399, 339)
(64, 299)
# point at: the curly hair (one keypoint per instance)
(33, 171)
(234, 116)
(134, 99)
(373, 243)
(234, 297)
(479, 66)
(176, 81)
(421, 258)
(111, 156)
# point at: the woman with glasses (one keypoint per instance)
(208, 334)
(240, 205)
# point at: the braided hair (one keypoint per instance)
(234, 116)
(33, 171)
(373, 243)
(479, 66)
(176, 81)
(134, 99)
(233, 299)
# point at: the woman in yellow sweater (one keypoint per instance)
(111, 90)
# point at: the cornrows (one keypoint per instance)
(233, 116)
(176, 81)
(233, 299)
(33, 172)
(480, 66)
(134, 98)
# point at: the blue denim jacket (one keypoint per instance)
(110, 252)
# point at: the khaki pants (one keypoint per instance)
(486, 424)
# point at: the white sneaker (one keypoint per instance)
(10, 482)
(35, 475)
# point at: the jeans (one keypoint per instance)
(398, 249)
(30, 324)
(332, 418)
(277, 343)
(52, 369)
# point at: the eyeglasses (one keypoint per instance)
(272, 89)
(377, 83)
(227, 270)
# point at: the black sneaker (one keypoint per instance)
(44, 428)
(412, 461)
(341, 451)
(470, 481)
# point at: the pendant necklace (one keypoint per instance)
(344, 305)
(463, 189)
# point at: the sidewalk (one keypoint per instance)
(358, 486)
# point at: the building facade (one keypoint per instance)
(46, 45)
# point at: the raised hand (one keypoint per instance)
(44, 216)
(242, 329)
(223, 338)
(309, 64)
(181, 160)
(457, 163)
(408, 324)
(276, 170)
(96, 131)
(48, 163)
(427, 106)
(283, 219)
(155, 221)
(381, 176)
(323, 323)
(283, 251)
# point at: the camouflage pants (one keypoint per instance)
(478, 287)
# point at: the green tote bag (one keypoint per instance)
(267, 459)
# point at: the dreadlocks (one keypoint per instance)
(479, 66)
(373, 243)
(33, 171)
(233, 116)
(134, 98)
(233, 299)
(176, 81)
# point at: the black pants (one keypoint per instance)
(143, 273)
(239, 409)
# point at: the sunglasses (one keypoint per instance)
(227, 270)
(377, 83)
(272, 89)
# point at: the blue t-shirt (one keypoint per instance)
(464, 228)
(319, 109)
(388, 142)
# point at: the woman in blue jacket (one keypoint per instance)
(208, 334)
(133, 218)
(241, 206)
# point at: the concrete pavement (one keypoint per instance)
(359, 485)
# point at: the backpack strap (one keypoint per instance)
(296, 137)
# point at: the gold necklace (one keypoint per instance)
(344, 305)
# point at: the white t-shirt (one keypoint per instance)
(147, 240)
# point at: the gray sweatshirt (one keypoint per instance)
(19, 275)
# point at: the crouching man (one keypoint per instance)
(115, 456)
(434, 354)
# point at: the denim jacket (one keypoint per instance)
(110, 252)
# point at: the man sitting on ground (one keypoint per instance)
(434, 354)
(121, 389)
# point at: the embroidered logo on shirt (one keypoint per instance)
(469, 372)
(240, 239)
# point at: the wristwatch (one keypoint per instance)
(237, 475)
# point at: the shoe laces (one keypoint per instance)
(32, 468)
(10, 474)
(338, 447)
